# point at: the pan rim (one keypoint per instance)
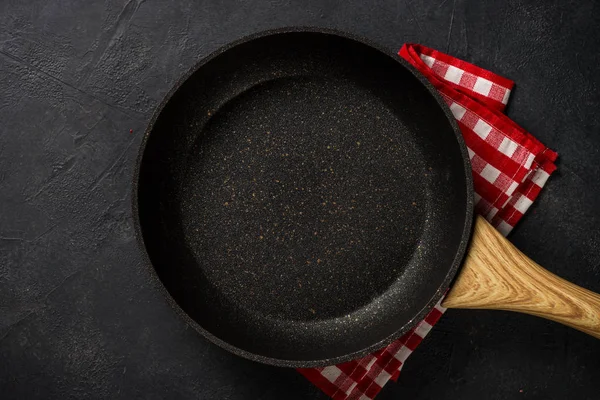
(452, 270)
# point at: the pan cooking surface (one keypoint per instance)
(285, 202)
(303, 198)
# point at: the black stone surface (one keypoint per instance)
(78, 315)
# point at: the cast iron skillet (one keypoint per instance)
(304, 197)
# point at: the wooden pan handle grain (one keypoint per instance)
(497, 276)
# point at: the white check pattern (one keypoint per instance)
(509, 168)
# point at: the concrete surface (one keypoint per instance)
(78, 315)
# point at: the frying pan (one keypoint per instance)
(305, 198)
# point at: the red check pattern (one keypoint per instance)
(510, 167)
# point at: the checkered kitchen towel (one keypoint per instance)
(510, 167)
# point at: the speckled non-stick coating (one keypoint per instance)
(303, 197)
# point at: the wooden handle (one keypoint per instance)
(497, 276)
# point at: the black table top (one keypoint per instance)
(79, 317)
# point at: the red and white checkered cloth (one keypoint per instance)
(510, 167)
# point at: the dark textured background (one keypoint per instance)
(78, 315)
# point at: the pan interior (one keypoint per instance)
(302, 197)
